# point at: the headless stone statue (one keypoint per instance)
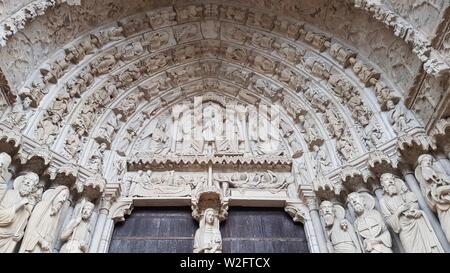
(207, 237)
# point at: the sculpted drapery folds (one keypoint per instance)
(5, 161)
(15, 209)
(340, 231)
(401, 210)
(208, 238)
(369, 224)
(77, 232)
(40, 234)
(435, 186)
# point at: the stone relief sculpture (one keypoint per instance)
(208, 238)
(398, 116)
(96, 159)
(40, 234)
(19, 114)
(107, 131)
(435, 186)
(369, 224)
(160, 184)
(340, 231)
(76, 234)
(5, 162)
(15, 209)
(401, 210)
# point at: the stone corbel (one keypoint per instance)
(297, 210)
(323, 188)
(120, 208)
(93, 187)
(411, 147)
(209, 198)
(352, 178)
(379, 163)
(64, 175)
(111, 193)
(10, 141)
(440, 134)
(36, 161)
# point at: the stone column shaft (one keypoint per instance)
(317, 224)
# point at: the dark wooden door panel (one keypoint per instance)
(148, 230)
(171, 230)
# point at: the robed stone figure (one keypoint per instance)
(44, 221)
(401, 211)
(341, 234)
(369, 224)
(207, 237)
(77, 232)
(15, 209)
(435, 186)
(5, 161)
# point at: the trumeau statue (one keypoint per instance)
(340, 231)
(369, 224)
(77, 232)
(207, 237)
(401, 210)
(5, 161)
(41, 230)
(15, 209)
(435, 186)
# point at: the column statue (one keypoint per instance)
(15, 209)
(369, 224)
(401, 211)
(207, 237)
(339, 230)
(435, 186)
(40, 234)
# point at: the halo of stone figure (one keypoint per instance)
(41, 230)
(435, 186)
(369, 224)
(341, 235)
(77, 232)
(401, 211)
(208, 238)
(15, 209)
(5, 161)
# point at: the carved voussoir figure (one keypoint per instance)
(369, 224)
(339, 230)
(208, 238)
(401, 210)
(435, 186)
(77, 232)
(40, 234)
(15, 209)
